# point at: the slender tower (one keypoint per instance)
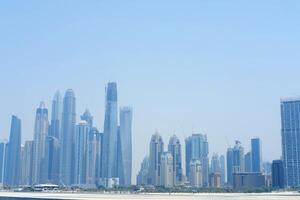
(53, 142)
(68, 138)
(110, 136)
(156, 150)
(174, 148)
(13, 158)
(125, 146)
(40, 134)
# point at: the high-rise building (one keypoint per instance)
(256, 155)
(215, 180)
(67, 157)
(195, 171)
(243, 180)
(13, 155)
(277, 174)
(248, 162)
(235, 161)
(110, 135)
(91, 164)
(290, 136)
(166, 170)
(81, 143)
(56, 116)
(142, 177)
(27, 163)
(156, 149)
(125, 147)
(87, 116)
(2, 161)
(174, 148)
(99, 139)
(223, 170)
(39, 149)
(229, 159)
(53, 141)
(197, 149)
(215, 164)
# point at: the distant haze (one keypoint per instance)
(218, 68)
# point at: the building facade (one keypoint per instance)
(256, 155)
(125, 146)
(156, 150)
(278, 174)
(174, 148)
(110, 136)
(235, 161)
(195, 170)
(290, 136)
(166, 170)
(248, 162)
(39, 172)
(13, 154)
(197, 149)
(67, 158)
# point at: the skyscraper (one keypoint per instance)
(87, 117)
(248, 162)
(235, 161)
(125, 146)
(142, 177)
(195, 170)
(56, 116)
(166, 170)
(39, 150)
(215, 164)
(110, 135)
(81, 145)
(197, 149)
(229, 159)
(290, 136)
(91, 164)
(67, 157)
(13, 154)
(222, 166)
(277, 174)
(53, 141)
(156, 149)
(2, 160)
(256, 155)
(174, 148)
(99, 139)
(27, 163)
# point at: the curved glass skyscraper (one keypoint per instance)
(68, 138)
(110, 136)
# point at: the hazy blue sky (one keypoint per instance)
(214, 67)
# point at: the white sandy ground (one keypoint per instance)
(94, 196)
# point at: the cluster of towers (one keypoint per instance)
(165, 168)
(68, 153)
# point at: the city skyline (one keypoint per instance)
(215, 68)
(86, 115)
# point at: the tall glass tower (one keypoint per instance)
(235, 161)
(256, 155)
(174, 148)
(13, 157)
(39, 149)
(125, 146)
(156, 150)
(290, 137)
(68, 138)
(197, 149)
(110, 136)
